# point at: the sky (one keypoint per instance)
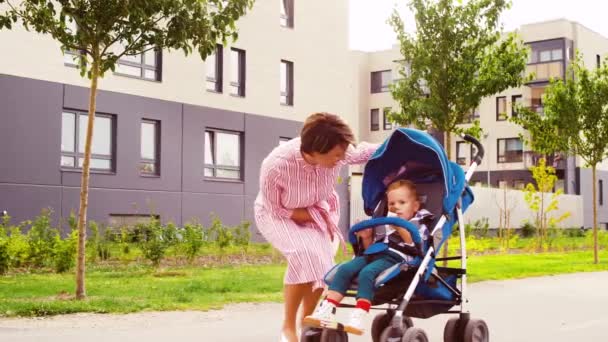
(370, 32)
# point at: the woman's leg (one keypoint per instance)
(293, 294)
(310, 302)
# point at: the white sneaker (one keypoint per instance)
(355, 324)
(324, 313)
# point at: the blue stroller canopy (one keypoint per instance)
(415, 155)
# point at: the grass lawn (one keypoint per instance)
(122, 289)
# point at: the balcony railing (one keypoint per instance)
(557, 160)
(545, 71)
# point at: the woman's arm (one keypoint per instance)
(361, 153)
(272, 190)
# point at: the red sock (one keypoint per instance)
(363, 304)
(335, 303)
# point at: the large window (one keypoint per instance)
(516, 101)
(286, 70)
(287, 13)
(546, 59)
(215, 69)
(374, 119)
(501, 108)
(73, 134)
(150, 147)
(147, 65)
(380, 81)
(386, 112)
(510, 150)
(461, 158)
(222, 154)
(237, 72)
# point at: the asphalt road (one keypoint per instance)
(559, 308)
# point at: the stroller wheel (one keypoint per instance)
(330, 335)
(452, 330)
(415, 335)
(311, 334)
(476, 330)
(383, 320)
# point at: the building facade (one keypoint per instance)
(174, 136)
(552, 45)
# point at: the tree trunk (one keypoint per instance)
(84, 186)
(595, 256)
(448, 148)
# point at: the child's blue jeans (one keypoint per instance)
(368, 268)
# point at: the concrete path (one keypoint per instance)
(570, 307)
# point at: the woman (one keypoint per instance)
(297, 209)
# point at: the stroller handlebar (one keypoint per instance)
(395, 221)
(480, 151)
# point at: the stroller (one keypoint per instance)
(417, 288)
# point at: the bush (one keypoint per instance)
(152, 241)
(481, 227)
(192, 240)
(242, 235)
(65, 252)
(4, 257)
(218, 233)
(18, 248)
(528, 230)
(41, 240)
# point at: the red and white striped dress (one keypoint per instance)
(288, 182)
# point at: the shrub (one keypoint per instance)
(242, 235)
(528, 229)
(192, 240)
(152, 241)
(219, 234)
(65, 252)
(41, 239)
(4, 257)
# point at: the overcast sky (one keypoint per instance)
(369, 31)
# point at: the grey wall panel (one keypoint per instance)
(25, 202)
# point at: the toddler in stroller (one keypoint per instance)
(395, 245)
(413, 286)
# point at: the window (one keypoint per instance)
(503, 184)
(73, 134)
(546, 59)
(70, 57)
(215, 69)
(222, 154)
(287, 13)
(237, 72)
(387, 124)
(598, 61)
(501, 108)
(145, 65)
(510, 150)
(516, 101)
(150, 147)
(374, 119)
(519, 184)
(601, 192)
(380, 81)
(461, 159)
(286, 83)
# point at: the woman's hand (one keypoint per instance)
(301, 216)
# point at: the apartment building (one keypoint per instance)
(552, 45)
(174, 135)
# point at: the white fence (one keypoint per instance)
(488, 204)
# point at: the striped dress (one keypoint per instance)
(288, 182)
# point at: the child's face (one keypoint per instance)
(402, 202)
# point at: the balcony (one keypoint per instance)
(556, 160)
(543, 72)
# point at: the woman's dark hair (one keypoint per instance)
(324, 131)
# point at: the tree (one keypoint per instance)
(575, 121)
(457, 56)
(107, 30)
(537, 200)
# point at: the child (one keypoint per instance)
(402, 200)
